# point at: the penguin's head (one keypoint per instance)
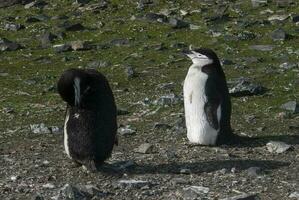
(73, 86)
(202, 56)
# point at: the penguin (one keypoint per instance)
(206, 100)
(90, 121)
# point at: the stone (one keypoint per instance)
(127, 130)
(7, 45)
(80, 45)
(277, 147)
(162, 126)
(120, 42)
(73, 27)
(156, 17)
(126, 165)
(132, 183)
(144, 148)
(58, 48)
(130, 72)
(177, 23)
(39, 128)
(283, 3)
(37, 4)
(13, 27)
(278, 18)
(185, 171)
(68, 192)
(287, 65)
(291, 106)
(198, 189)
(243, 87)
(14, 178)
(295, 18)
(294, 195)
(98, 64)
(122, 111)
(279, 35)
(258, 3)
(243, 197)
(82, 1)
(178, 181)
(49, 186)
(141, 4)
(38, 197)
(262, 47)
(179, 126)
(8, 3)
(168, 100)
(37, 18)
(46, 39)
(254, 171)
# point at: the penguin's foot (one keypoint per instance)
(90, 165)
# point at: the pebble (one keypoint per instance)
(80, 45)
(73, 27)
(127, 130)
(178, 181)
(278, 18)
(198, 189)
(277, 147)
(185, 171)
(279, 35)
(144, 148)
(294, 195)
(39, 128)
(130, 72)
(58, 48)
(132, 183)
(46, 39)
(13, 27)
(243, 197)
(262, 47)
(258, 3)
(177, 23)
(14, 178)
(243, 87)
(168, 100)
(287, 65)
(49, 186)
(70, 192)
(254, 171)
(7, 45)
(291, 106)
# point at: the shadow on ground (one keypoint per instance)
(196, 167)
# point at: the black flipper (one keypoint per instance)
(211, 112)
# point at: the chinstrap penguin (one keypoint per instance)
(90, 123)
(206, 100)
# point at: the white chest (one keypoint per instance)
(198, 128)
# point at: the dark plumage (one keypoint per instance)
(90, 125)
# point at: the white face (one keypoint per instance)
(199, 59)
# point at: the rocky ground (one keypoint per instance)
(137, 45)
